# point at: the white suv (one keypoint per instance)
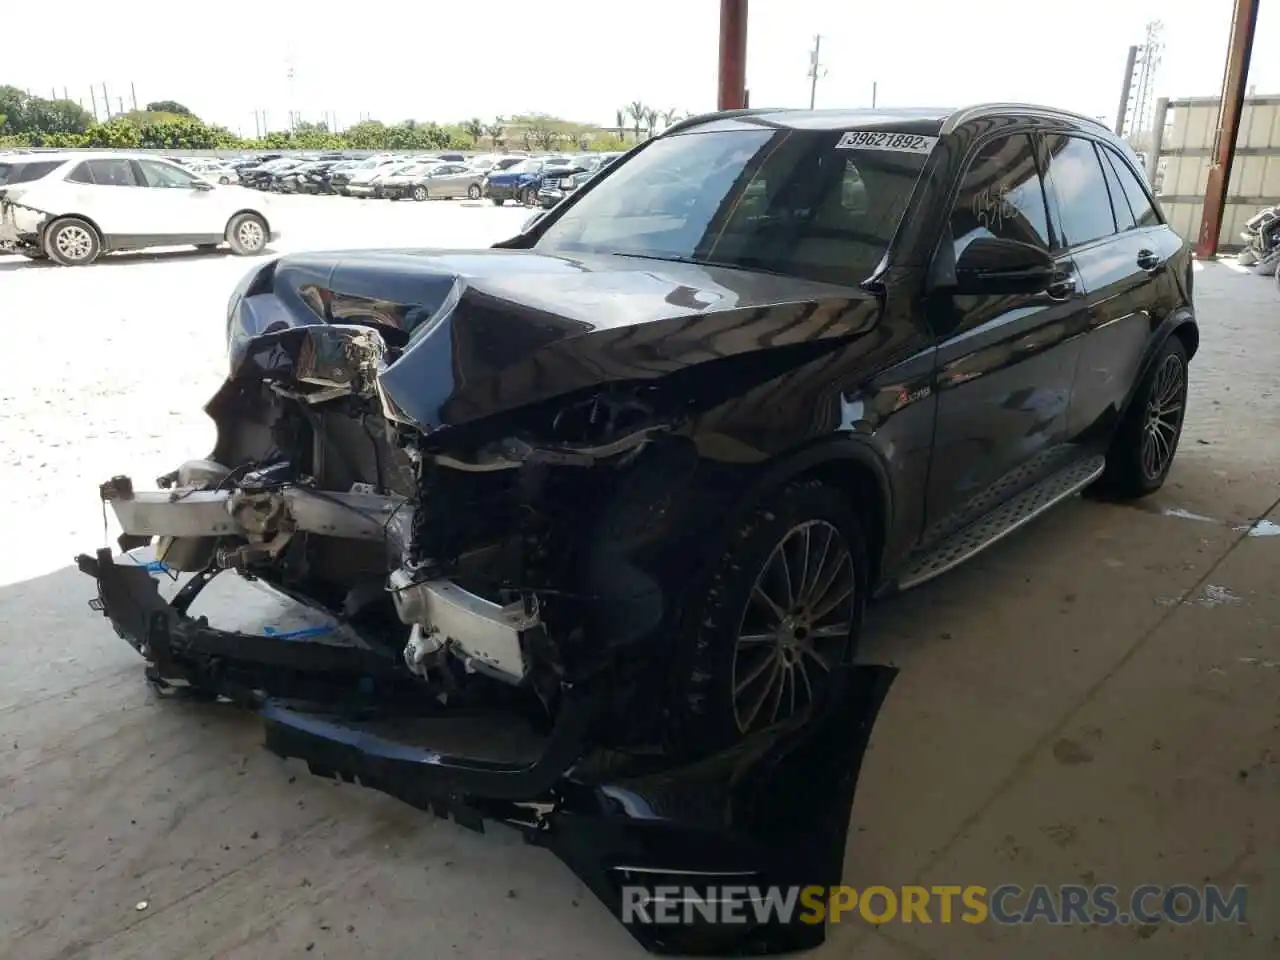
(72, 207)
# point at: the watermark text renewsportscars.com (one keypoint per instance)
(1067, 904)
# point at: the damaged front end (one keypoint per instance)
(501, 567)
(20, 225)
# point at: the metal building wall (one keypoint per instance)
(1183, 155)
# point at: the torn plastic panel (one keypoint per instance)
(772, 812)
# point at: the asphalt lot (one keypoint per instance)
(1095, 700)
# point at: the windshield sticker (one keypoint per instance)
(876, 140)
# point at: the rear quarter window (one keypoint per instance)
(11, 173)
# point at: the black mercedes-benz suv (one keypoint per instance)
(625, 483)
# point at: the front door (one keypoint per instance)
(178, 206)
(1005, 363)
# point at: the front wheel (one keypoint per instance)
(529, 197)
(779, 613)
(420, 193)
(247, 234)
(1144, 445)
(473, 192)
(72, 242)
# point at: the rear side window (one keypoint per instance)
(1080, 188)
(1119, 205)
(1144, 211)
(105, 173)
(1001, 196)
(11, 173)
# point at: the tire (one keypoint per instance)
(1146, 441)
(420, 193)
(529, 197)
(224, 180)
(743, 594)
(72, 242)
(247, 234)
(473, 192)
(496, 201)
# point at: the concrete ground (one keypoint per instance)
(1095, 700)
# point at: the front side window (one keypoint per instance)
(1144, 211)
(164, 176)
(1001, 196)
(1080, 188)
(782, 201)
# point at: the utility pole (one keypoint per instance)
(133, 93)
(1125, 89)
(106, 101)
(873, 94)
(93, 100)
(1244, 22)
(816, 69)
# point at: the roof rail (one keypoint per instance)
(977, 111)
(717, 115)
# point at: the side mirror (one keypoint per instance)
(201, 185)
(1000, 266)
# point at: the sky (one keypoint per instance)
(448, 61)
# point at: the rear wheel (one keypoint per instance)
(72, 242)
(473, 192)
(779, 613)
(247, 234)
(1144, 445)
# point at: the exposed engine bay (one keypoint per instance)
(475, 565)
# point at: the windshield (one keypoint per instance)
(785, 201)
(525, 166)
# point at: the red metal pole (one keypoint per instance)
(1244, 20)
(733, 54)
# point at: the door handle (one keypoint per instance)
(1148, 261)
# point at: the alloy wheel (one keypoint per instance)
(251, 235)
(795, 627)
(73, 243)
(1163, 422)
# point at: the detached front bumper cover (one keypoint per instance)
(770, 815)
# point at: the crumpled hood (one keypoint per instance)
(478, 332)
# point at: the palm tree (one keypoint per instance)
(637, 111)
(669, 117)
(650, 119)
(621, 117)
(495, 131)
(475, 129)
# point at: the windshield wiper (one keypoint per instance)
(725, 264)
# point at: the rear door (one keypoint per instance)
(1005, 363)
(1121, 253)
(109, 192)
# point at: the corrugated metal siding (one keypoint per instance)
(1186, 155)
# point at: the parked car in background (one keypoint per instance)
(360, 173)
(580, 170)
(520, 181)
(364, 181)
(450, 181)
(404, 182)
(73, 207)
(263, 176)
(215, 171)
